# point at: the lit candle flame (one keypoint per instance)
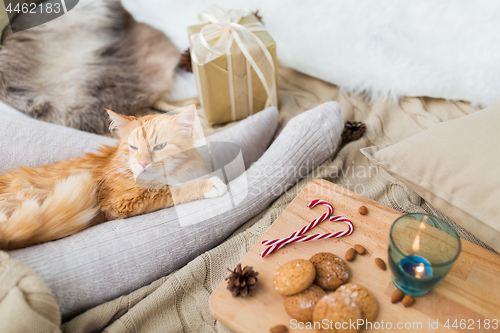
(416, 242)
(419, 270)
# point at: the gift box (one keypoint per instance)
(234, 62)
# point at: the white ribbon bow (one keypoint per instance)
(215, 40)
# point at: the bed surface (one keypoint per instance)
(179, 301)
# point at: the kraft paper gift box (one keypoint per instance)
(229, 85)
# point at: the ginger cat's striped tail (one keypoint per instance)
(34, 215)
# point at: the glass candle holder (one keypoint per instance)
(422, 250)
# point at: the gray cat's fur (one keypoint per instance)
(96, 56)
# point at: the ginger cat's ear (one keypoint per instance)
(186, 119)
(119, 121)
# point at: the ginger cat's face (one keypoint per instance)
(160, 149)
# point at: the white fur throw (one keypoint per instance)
(447, 49)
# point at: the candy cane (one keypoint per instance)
(279, 243)
(308, 227)
(298, 236)
(326, 235)
(301, 238)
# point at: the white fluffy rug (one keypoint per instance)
(448, 48)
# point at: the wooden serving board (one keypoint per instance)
(471, 291)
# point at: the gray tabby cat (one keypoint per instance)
(96, 56)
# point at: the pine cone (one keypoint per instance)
(353, 131)
(185, 61)
(256, 13)
(241, 280)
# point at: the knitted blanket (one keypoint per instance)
(179, 302)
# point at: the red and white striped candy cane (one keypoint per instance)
(338, 234)
(298, 236)
(277, 244)
(308, 227)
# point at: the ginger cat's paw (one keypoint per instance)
(218, 188)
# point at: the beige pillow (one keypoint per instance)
(455, 165)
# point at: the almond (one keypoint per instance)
(408, 300)
(360, 249)
(397, 296)
(363, 210)
(350, 254)
(380, 263)
(279, 329)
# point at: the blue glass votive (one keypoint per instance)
(422, 250)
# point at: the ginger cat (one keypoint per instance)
(53, 201)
